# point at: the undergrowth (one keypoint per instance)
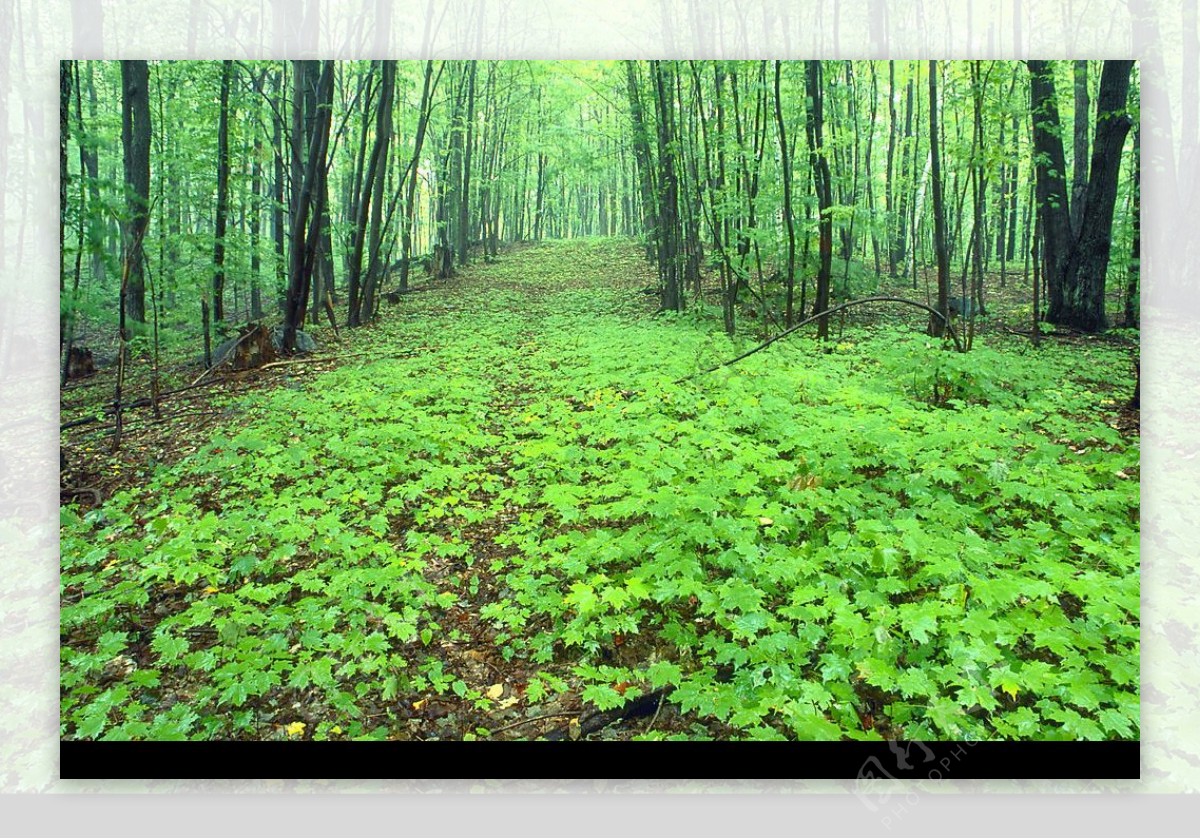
(874, 538)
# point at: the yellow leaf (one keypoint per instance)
(419, 704)
(337, 729)
(295, 729)
(765, 522)
(495, 691)
(1010, 688)
(211, 590)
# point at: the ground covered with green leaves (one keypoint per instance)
(514, 515)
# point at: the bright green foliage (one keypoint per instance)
(779, 543)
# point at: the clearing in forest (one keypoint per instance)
(516, 521)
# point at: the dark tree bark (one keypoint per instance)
(824, 190)
(309, 212)
(1051, 166)
(668, 199)
(64, 133)
(368, 203)
(1080, 175)
(135, 141)
(790, 276)
(383, 136)
(464, 193)
(641, 156)
(1075, 267)
(1085, 296)
(222, 195)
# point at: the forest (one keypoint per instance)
(633, 400)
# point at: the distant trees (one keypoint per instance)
(319, 185)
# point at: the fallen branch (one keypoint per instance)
(519, 723)
(819, 315)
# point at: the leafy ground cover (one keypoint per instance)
(519, 513)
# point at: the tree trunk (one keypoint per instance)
(888, 186)
(1085, 298)
(309, 212)
(64, 133)
(641, 155)
(1080, 157)
(668, 204)
(135, 140)
(1051, 166)
(218, 287)
(368, 201)
(908, 176)
(1132, 308)
(1076, 266)
(937, 325)
(278, 234)
(383, 136)
(406, 224)
(821, 184)
(464, 194)
(790, 276)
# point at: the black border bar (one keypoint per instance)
(865, 761)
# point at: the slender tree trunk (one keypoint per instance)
(255, 223)
(937, 325)
(90, 155)
(820, 167)
(383, 136)
(906, 202)
(309, 212)
(278, 235)
(464, 201)
(218, 287)
(668, 205)
(369, 200)
(790, 276)
(1132, 308)
(410, 198)
(64, 133)
(641, 155)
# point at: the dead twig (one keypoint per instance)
(536, 719)
(826, 313)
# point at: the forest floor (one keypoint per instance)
(506, 512)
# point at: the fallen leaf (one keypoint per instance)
(419, 704)
(495, 691)
(765, 522)
(295, 729)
